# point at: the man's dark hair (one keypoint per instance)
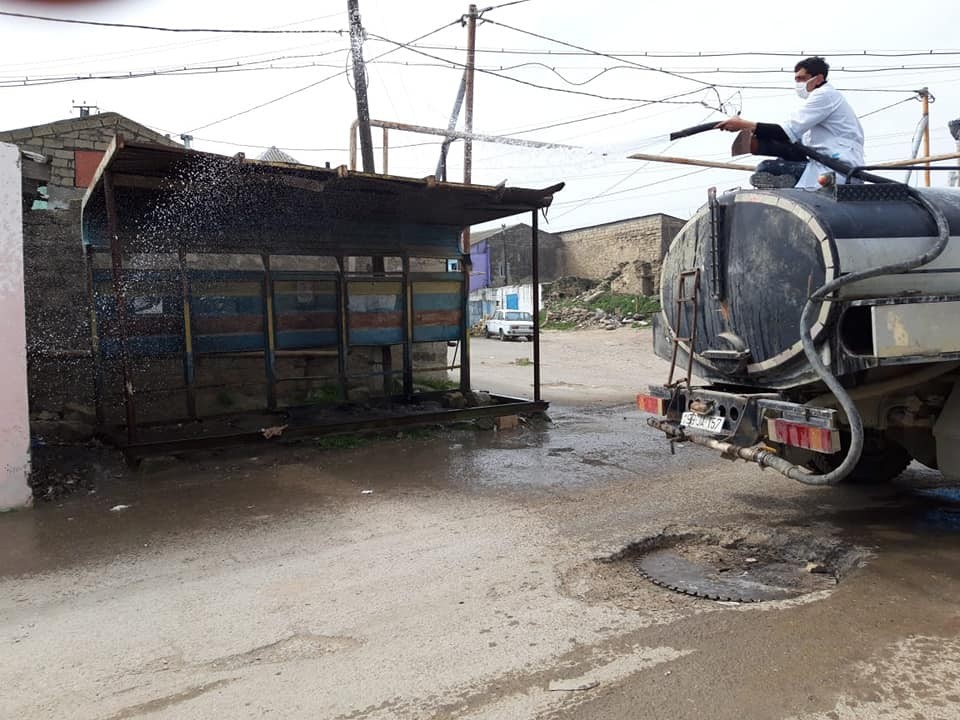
(814, 65)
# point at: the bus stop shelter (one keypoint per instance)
(210, 274)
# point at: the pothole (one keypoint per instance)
(743, 566)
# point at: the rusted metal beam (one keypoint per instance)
(269, 326)
(189, 371)
(535, 279)
(504, 406)
(120, 300)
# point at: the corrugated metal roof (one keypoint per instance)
(216, 203)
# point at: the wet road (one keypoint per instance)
(459, 574)
(462, 585)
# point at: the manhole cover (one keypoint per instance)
(771, 566)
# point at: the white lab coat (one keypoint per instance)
(827, 123)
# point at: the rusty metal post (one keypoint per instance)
(189, 371)
(535, 279)
(353, 144)
(120, 300)
(360, 85)
(343, 327)
(407, 330)
(441, 172)
(465, 324)
(468, 116)
(94, 337)
(925, 95)
(269, 328)
(386, 151)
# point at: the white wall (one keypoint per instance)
(499, 295)
(14, 412)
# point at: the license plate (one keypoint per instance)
(695, 421)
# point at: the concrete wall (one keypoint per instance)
(636, 246)
(15, 414)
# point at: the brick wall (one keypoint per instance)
(635, 246)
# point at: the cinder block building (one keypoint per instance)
(58, 308)
(637, 245)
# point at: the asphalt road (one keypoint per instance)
(459, 574)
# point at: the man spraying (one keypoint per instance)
(824, 122)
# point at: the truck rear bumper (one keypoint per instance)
(743, 419)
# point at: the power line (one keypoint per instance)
(157, 28)
(318, 82)
(578, 47)
(694, 55)
(494, 73)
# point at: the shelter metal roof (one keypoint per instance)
(205, 202)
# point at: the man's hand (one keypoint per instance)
(736, 124)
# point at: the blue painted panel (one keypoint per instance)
(298, 339)
(436, 334)
(288, 302)
(513, 301)
(229, 305)
(376, 336)
(153, 345)
(228, 343)
(436, 301)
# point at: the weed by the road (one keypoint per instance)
(523, 362)
(612, 303)
(341, 442)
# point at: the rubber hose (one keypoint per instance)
(812, 309)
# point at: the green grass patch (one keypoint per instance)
(622, 305)
(341, 442)
(625, 304)
(523, 362)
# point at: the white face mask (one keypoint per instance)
(802, 90)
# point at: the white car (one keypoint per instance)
(510, 324)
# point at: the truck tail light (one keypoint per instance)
(808, 437)
(651, 404)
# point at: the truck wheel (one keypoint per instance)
(881, 461)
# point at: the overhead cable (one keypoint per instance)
(157, 28)
(318, 82)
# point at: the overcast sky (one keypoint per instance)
(419, 85)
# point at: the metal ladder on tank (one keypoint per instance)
(683, 300)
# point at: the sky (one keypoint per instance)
(707, 56)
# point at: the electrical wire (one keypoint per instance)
(314, 84)
(583, 93)
(95, 23)
(694, 55)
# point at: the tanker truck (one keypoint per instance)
(815, 332)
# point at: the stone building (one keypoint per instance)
(55, 283)
(635, 247)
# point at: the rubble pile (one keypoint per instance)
(568, 303)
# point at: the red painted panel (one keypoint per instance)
(85, 164)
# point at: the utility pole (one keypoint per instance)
(360, 86)
(468, 99)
